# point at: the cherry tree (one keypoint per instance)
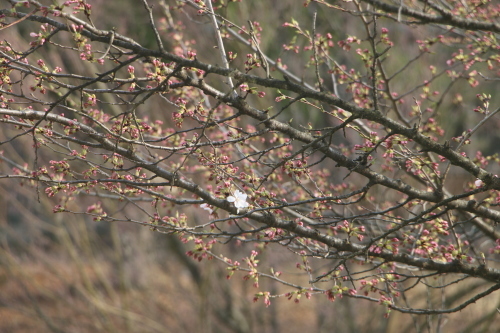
(368, 152)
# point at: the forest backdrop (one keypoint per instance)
(249, 166)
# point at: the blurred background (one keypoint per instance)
(67, 273)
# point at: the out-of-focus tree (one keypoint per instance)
(363, 142)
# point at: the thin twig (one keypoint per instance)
(262, 58)
(315, 53)
(220, 43)
(153, 26)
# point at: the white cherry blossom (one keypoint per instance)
(206, 207)
(239, 198)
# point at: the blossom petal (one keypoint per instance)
(205, 207)
(239, 198)
(240, 195)
(242, 204)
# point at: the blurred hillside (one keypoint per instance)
(67, 273)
